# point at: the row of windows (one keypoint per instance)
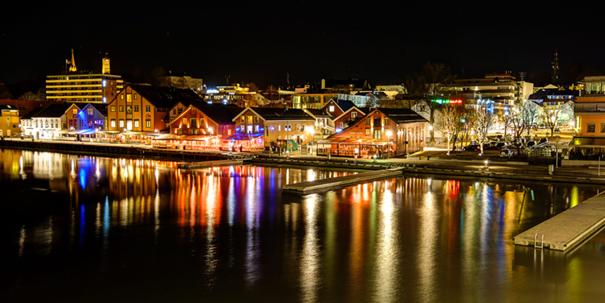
(591, 128)
(129, 97)
(129, 109)
(128, 124)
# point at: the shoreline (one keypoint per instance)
(436, 167)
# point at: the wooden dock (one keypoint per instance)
(211, 163)
(303, 188)
(568, 229)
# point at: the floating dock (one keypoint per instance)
(212, 163)
(303, 188)
(568, 229)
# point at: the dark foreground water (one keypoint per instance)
(85, 229)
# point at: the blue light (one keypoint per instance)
(338, 130)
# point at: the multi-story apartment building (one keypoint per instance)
(9, 121)
(83, 87)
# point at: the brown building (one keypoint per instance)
(144, 108)
(205, 119)
(343, 113)
(382, 133)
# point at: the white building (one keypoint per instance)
(51, 121)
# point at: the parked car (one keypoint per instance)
(472, 147)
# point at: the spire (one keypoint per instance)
(105, 68)
(72, 64)
(555, 68)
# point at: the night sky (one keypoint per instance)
(260, 41)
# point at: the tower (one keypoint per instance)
(72, 64)
(555, 68)
(105, 67)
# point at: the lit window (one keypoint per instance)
(331, 108)
(121, 123)
(113, 123)
(353, 115)
(113, 109)
(90, 111)
(128, 97)
(148, 123)
(74, 111)
(136, 123)
(121, 108)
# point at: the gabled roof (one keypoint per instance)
(220, 113)
(344, 105)
(101, 108)
(166, 96)
(355, 108)
(54, 110)
(278, 113)
(402, 115)
(317, 112)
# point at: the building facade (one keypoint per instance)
(9, 121)
(52, 121)
(83, 87)
(382, 133)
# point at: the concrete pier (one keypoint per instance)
(212, 163)
(568, 229)
(339, 182)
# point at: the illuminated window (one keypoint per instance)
(121, 108)
(331, 108)
(121, 123)
(128, 97)
(113, 109)
(137, 123)
(90, 111)
(129, 109)
(148, 123)
(353, 115)
(590, 128)
(74, 111)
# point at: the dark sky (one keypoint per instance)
(262, 41)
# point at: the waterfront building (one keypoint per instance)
(142, 109)
(92, 118)
(275, 128)
(9, 121)
(74, 86)
(51, 121)
(589, 111)
(383, 132)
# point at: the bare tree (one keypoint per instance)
(484, 120)
(551, 116)
(448, 122)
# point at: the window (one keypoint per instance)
(353, 115)
(136, 108)
(603, 127)
(331, 108)
(590, 128)
(136, 123)
(113, 109)
(121, 123)
(148, 108)
(129, 109)
(148, 122)
(90, 111)
(74, 111)
(113, 123)
(128, 97)
(121, 108)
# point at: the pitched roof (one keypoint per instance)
(54, 110)
(402, 115)
(102, 108)
(270, 113)
(317, 112)
(219, 112)
(166, 96)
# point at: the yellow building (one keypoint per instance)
(9, 121)
(279, 127)
(82, 87)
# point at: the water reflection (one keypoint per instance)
(218, 232)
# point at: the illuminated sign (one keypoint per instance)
(447, 101)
